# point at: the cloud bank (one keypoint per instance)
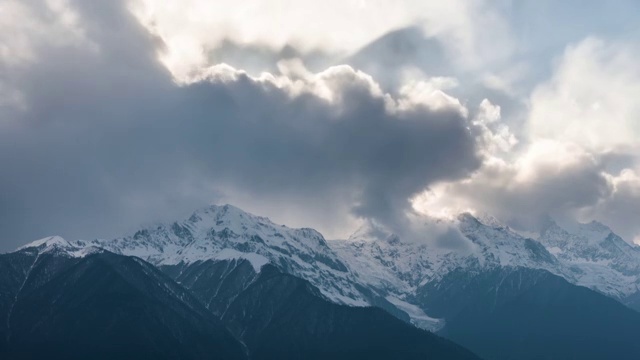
(579, 159)
(104, 138)
(118, 113)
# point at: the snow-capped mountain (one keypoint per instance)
(221, 233)
(399, 266)
(398, 269)
(589, 255)
(594, 256)
(246, 262)
(59, 246)
(473, 280)
(374, 263)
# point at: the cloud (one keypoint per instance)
(591, 99)
(339, 133)
(110, 118)
(621, 208)
(549, 179)
(25, 27)
(108, 140)
(473, 33)
(591, 102)
(578, 158)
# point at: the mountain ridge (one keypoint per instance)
(455, 278)
(389, 268)
(95, 282)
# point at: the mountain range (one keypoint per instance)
(227, 284)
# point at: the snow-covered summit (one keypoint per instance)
(401, 266)
(371, 231)
(46, 242)
(594, 256)
(587, 254)
(374, 263)
(59, 245)
(225, 232)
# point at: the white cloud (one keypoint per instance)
(309, 148)
(548, 178)
(592, 98)
(24, 29)
(471, 30)
(495, 136)
(431, 94)
(584, 116)
(364, 136)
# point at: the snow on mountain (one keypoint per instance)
(59, 245)
(399, 267)
(375, 263)
(589, 255)
(595, 257)
(417, 315)
(46, 242)
(226, 232)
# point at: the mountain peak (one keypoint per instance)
(76, 249)
(592, 232)
(596, 226)
(50, 241)
(371, 231)
(227, 233)
(467, 219)
(227, 215)
(221, 210)
(212, 210)
(490, 220)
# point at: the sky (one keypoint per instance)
(324, 114)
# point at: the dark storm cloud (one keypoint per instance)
(271, 142)
(66, 158)
(107, 140)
